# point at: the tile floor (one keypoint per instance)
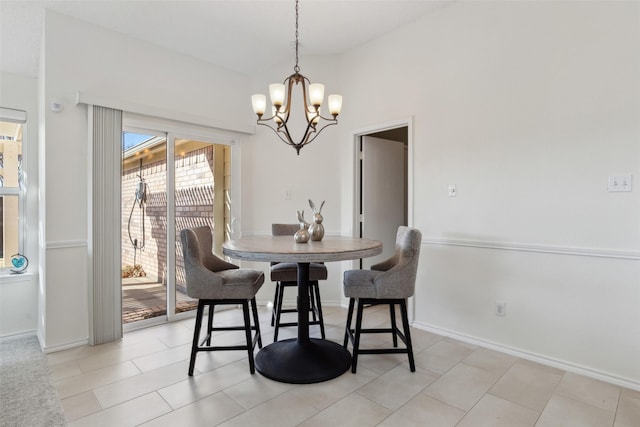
(143, 380)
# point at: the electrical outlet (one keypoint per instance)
(501, 308)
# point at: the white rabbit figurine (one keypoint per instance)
(302, 235)
(316, 229)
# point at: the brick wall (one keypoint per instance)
(194, 196)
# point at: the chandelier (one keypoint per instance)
(312, 97)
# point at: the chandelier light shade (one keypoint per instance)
(281, 95)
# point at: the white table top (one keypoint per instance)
(285, 249)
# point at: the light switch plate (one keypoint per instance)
(620, 183)
(452, 190)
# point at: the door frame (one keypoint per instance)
(355, 137)
(406, 122)
(173, 129)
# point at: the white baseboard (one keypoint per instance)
(544, 360)
(66, 346)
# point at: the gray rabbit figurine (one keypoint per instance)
(302, 235)
(316, 229)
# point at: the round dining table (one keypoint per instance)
(302, 360)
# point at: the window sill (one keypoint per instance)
(7, 277)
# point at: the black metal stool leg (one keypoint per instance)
(247, 332)
(318, 307)
(210, 323)
(407, 334)
(196, 336)
(278, 309)
(312, 301)
(356, 341)
(256, 321)
(394, 327)
(275, 304)
(347, 331)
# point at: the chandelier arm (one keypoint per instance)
(315, 134)
(305, 84)
(283, 129)
(291, 80)
(284, 119)
(263, 121)
(308, 132)
(282, 113)
(307, 135)
(296, 78)
(278, 133)
(306, 139)
(329, 119)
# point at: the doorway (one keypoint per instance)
(383, 196)
(170, 181)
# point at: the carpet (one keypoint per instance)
(27, 394)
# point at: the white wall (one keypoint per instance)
(79, 57)
(18, 295)
(527, 107)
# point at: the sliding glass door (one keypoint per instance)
(144, 226)
(202, 182)
(170, 181)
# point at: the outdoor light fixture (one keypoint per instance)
(312, 97)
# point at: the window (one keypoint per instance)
(12, 183)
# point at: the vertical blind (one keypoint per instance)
(105, 290)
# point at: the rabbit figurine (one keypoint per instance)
(302, 235)
(316, 230)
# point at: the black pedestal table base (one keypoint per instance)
(302, 360)
(313, 361)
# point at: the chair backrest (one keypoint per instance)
(284, 229)
(197, 249)
(399, 279)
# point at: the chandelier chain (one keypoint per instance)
(296, 68)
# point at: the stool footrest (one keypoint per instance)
(382, 350)
(311, 322)
(223, 347)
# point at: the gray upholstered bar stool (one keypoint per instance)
(389, 282)
(285, 274)
(214, 281)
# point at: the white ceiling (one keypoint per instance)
(242, 35)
